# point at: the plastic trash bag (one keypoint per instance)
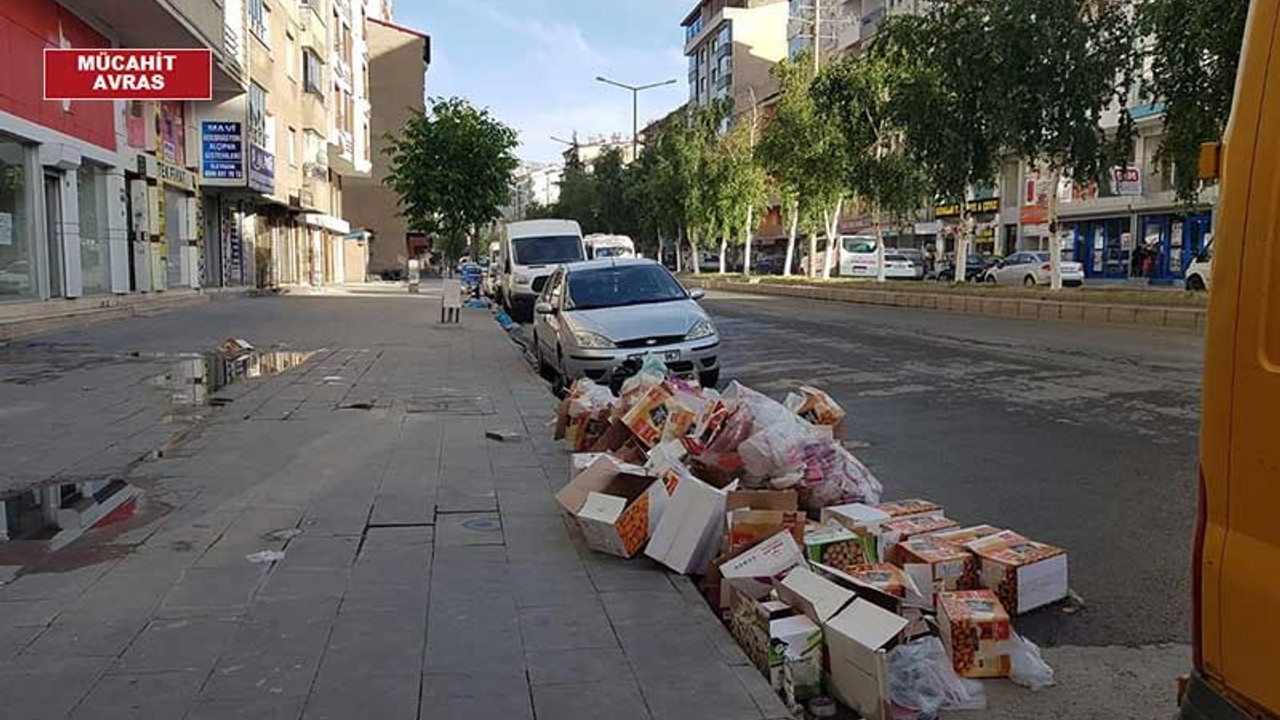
(587, 407)
(1027, 667)
(922, 682)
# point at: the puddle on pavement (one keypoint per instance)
(63, 526)
(193, 379)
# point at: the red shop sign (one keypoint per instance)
(164, 74)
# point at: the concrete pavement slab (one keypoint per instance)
(550, 667)
(145, 696)
(42, 688)
(453, 695)
(269, 707)
(80, 636)
(362, 697)
(179, 644)
(617, 699)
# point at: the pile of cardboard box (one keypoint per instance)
(781, 525)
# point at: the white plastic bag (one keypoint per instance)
(1027, 668)
(922, 682)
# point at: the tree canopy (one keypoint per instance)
(451, 167)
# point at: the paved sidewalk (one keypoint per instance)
(427, 571)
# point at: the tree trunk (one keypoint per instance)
(880, 269)
(693, 253)
(962, 244)
(746, 248)
(791, 237)
(1055, 246)
(833, 242)
(679, 247)
(724, 247)
(813, 252)
(661, 246)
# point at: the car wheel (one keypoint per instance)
(560, 382)
(545, 371)
(1029, 281)
(710, 378)
(1195, 283)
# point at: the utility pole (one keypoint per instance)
(635, 107)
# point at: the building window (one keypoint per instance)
(290, 56)
(257, 115)
(258, 21)
(292, 151)
(312, 73)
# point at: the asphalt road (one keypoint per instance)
(1077, 435)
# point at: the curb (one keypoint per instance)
(1174, 318)
(41, 318)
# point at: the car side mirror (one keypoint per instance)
(544, 308)
(697, 294)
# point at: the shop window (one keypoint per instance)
(17, 265)
(91, 198)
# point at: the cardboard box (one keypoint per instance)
(935, 566)
(795, 659)
(750, 613)
(898, 529)
(885, 577)
(813, 595)
(753, 515)
(615, 504)
(858, 639)
(648, 416)
(855, 516)
(963, 536)
(975, 630)
(817, 407)
(835, 545)
(905, 508)
(769, 559)
(869, 591)
(689, 532)
(1023, 573)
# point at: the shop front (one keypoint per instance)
(1170, 243)
(985, 215)
(1105, 246)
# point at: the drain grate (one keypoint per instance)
(450, 405)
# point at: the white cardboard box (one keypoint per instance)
(1024, 574)
(615, 504)
(815, 596)
(771, 558)
(858, 639)
(688, 535)
(854, 516)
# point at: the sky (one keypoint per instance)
(533, 63)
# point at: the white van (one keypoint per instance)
(855, 256)
(601, 246)
(1200, 271)
(531, 251)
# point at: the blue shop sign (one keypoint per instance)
(221, 150)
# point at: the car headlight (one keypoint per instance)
(590, 340)
(524, 279)
(704, 328)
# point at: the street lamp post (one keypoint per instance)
(635, 107)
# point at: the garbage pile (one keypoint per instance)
(891, 608)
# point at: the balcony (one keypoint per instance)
(725, 81)
(342, 70)
(342, 155)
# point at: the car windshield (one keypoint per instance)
(547, 250)
(608, 252)
(622, 285)
(859, 245)
(896, 258)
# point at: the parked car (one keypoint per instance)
(15, 277)
(708, 262)
(1201, 269)
(915, 255)
(598, 318)
(1031, 269)
(530, 252)
(975, 268)
(898, 266)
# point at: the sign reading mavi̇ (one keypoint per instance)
(222, 150)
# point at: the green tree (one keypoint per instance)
(579, 194)
(1194, 53)
(614, 214)
(856, 95)
(805, 155)
(652, 192)
(1062, 64)
(451, 167)
(943, 101)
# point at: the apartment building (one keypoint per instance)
(396, 80)
(533, 184)
(731, 46)
(587, 152)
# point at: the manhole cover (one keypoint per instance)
(450, 405)
(482, 525)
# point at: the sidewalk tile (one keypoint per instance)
(481, 696)
(363, 697)
(453, 530)
(71, 636)
(148, 696)
(547, 667)
(614, 699)
(566, 627)
(180, 644)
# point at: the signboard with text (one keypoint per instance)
(975, 207)
(262, 169)
(114, 74)
(1126, 181)
(222, 152)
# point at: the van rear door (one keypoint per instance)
(1239, 571)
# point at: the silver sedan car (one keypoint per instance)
(599, 319)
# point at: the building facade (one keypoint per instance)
(731, 46)
(398, 62)
(533, 184)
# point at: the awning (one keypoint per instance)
(361, 234)
(327, 222)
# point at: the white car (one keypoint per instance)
(1201, 269)
(1031, 269)
(900, 267)
(600, 246)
